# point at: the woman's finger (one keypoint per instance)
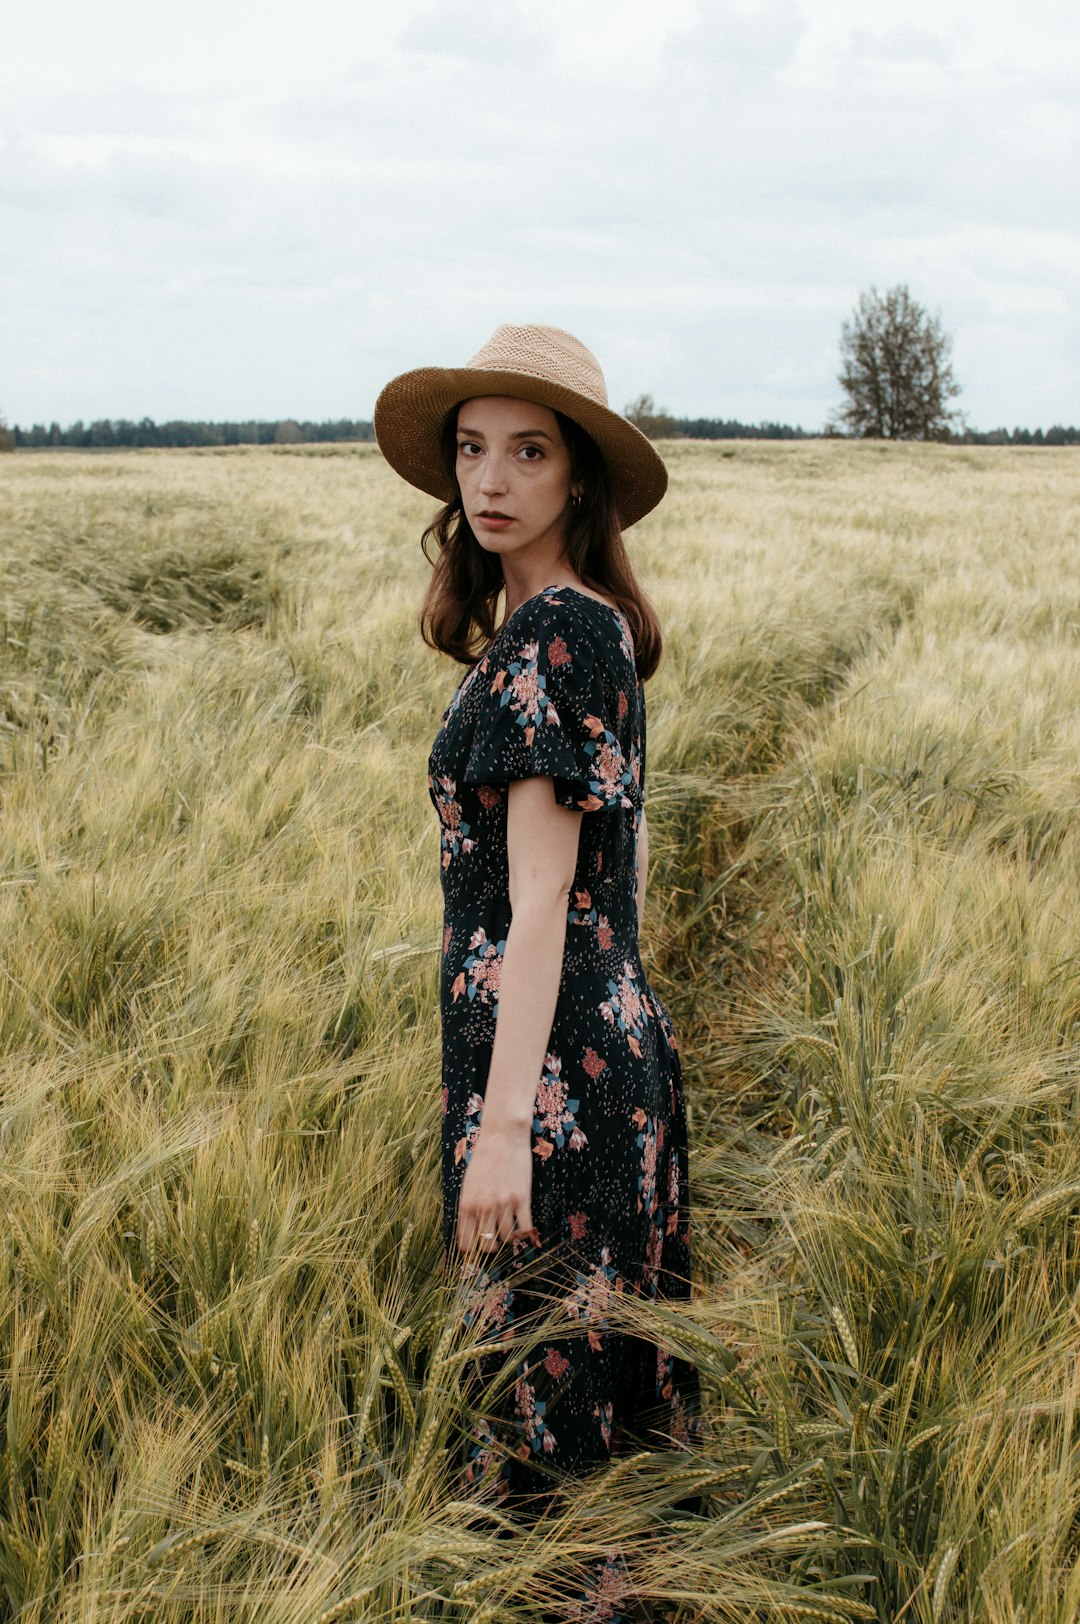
(477, 1231)
(469, 1226)
(485, 1230)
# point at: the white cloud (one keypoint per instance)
(234, 213)
(746, 39)
(497, 32)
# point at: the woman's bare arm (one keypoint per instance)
(642, 867)
(542, 843)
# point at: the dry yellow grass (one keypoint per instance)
(228, 1370)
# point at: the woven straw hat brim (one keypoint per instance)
(411, 410)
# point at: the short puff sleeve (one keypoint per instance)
(543, 713)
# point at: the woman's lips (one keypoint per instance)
(494, 521)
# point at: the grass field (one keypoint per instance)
(229, 1373)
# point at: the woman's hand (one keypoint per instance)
(496, 1190)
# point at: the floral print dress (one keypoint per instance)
(557, 695)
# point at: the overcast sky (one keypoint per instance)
(225, 209)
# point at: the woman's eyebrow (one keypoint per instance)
(518, 434)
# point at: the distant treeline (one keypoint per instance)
(120, 431)
(717, 428)
(1053, 436)
(108, 433)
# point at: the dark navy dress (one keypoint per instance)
(557, 695)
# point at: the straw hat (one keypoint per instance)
(541, 364)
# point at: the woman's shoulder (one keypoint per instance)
(575, 621)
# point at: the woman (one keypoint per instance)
(564, 1133)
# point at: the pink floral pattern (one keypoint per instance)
(521, 686)
(583, 912)
(555, 1123)
(610, 773)
(606, 1596)
(484, 1474)
(627, 1007)
(649, 1140)
(488, 1300)
(555, 1363)
(483, 969)
(591, 1298)
(474, 1111)
(536, 1435)
(455, 832)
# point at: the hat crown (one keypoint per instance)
(546, 353)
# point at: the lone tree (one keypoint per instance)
(895, 370)
(654, 421)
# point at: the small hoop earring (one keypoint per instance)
(575, 501)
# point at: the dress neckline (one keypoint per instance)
(578, 592)
(554, 587)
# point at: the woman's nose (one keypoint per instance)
(493, 477)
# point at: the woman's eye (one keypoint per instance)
(468, 447)
(531, 452)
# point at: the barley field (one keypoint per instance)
(230, 1372)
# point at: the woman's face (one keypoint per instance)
(514, 473)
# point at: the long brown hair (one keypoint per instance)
(458, 613)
